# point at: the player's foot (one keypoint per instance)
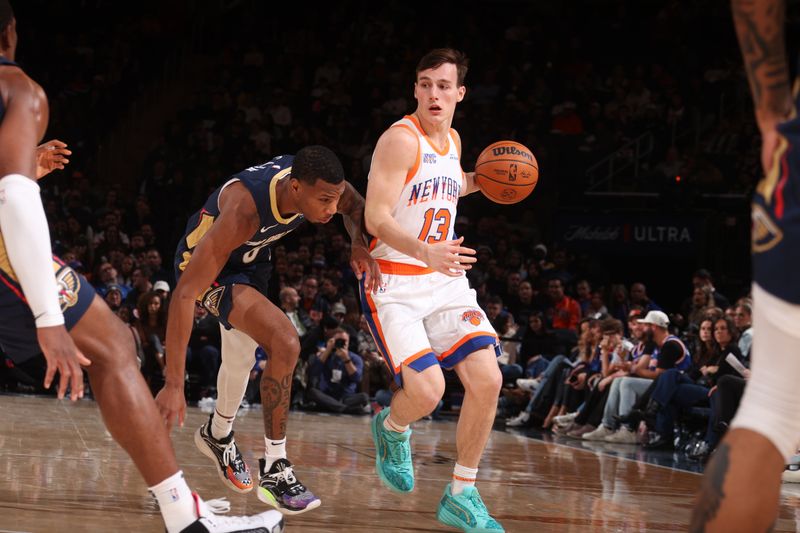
(208, 522)
(280, 488)
(392, 455)
(466, 511)
(232, 469)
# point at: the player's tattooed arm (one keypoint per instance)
(351, 206)
(760, 29)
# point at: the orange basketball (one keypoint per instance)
(506, 172)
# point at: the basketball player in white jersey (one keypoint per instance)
(425, 317)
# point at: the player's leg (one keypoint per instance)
(133, 420)
(482, 381)
(394, 320)
(764, 433)
(461, 333)
(215, 439)
(254, 315)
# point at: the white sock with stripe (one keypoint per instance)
(221, 425)
(388, 425)
(175, 502)
(275, 449)
(463, 477)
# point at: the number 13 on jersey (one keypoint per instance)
(440, 218)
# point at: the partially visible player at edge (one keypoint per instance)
(741, 486)
(426, 317)
(61, 316)
(223, 262)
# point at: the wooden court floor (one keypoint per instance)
(60, 471)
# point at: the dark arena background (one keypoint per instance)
(640, 117)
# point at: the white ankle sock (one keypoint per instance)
(463, 477)
(391, 426)
(275, 449)
(175, 501)
(221, 426)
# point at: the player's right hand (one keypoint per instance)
(449, 257)
(171, 404)
(63, 356)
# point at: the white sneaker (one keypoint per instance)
(598, 434)
(208, 521)
(623, 436)
(528, 384)
(519, 420)
(565, 420)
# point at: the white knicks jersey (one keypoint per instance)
(427, 205)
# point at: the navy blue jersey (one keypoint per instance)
(776, 216)
(261, 181)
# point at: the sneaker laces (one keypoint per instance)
(479, 507)
(287, 476)
(230, 457)
(218, 505)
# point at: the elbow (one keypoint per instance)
(371, 221)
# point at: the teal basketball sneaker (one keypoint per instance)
(466, 511)
(392, 455)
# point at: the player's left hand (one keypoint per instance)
(50, 156)
(363, 264)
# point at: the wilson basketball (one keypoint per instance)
(506, 172)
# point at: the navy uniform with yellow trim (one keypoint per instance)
(776, 215)
(250, 263)
(17, 327)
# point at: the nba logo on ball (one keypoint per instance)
(472, 316)
(506, 172)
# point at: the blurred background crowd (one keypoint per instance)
(641, 125)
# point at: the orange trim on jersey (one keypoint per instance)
(458, 148)
(373, 243)
(464, 340)
(374, 312)
(467, 479)
(416, 356)
(413, 170)
(401, 269)
(446, 149)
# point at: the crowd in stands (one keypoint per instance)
(575, 358)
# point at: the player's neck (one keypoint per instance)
(437, 132)
(286, 205)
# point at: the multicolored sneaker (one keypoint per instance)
(232, 469)
(466, 511)
(392, 455)
(280, 488)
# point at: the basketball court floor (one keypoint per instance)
(61, 471)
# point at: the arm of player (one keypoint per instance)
(760, 30)
(25, 232)
(468, 185)
(50, 156)
(351, 207)
(237, 222)
(395, 155)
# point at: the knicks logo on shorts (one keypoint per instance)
(473, 316)
(69, 284)
(212, 299)
(766, 234)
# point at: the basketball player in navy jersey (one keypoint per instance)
(741, 485)
(47, 307)
(223, 262)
